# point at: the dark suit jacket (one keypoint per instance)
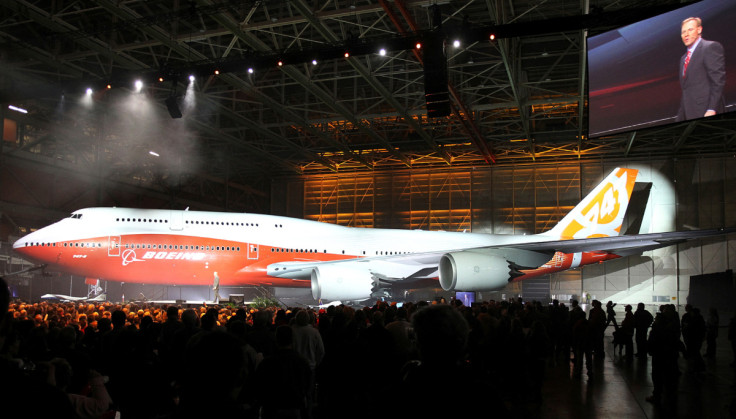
(702, 86)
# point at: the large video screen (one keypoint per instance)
(637, 78)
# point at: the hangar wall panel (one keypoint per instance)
(503, 198)
(594, 282)
(617, 276)
(482, 203)
(676, 195)
(640, 272)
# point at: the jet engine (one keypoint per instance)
(475, 271)
(341, 282)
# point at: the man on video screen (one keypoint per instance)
(702, 73)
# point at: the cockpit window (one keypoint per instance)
(76, 216)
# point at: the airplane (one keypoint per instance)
(157, 246)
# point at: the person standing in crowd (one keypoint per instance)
(732, 338)
(711, 332)
(611, 314)
(560, 331)
(308, 343)
(627, 332)
(283, 380)
(584, 338)
(597, 327)
(663, 346)
(576, 314)
(642, 320)
(693, 333)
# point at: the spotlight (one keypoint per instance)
(492, 37)
(314, 62)
(418, 45)
(382, 52)
(250, 70)
(347, 54)
(89, 91)
(138, 85)
(109, 86)
(217, 72)
(160, 79)
(456, 43)
(191, 77)
(280, 63)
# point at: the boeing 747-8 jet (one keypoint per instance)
(338, 263)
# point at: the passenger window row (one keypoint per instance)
(178, 247)
(192, 222)
(222, 223)
(379, 253)
(141, 220)
(142, 246)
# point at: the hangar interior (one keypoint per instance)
(343, 139)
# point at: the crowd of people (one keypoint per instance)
(91, 360)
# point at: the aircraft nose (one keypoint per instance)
(20, 244)
(25, 241)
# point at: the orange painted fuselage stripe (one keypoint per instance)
(166, 259)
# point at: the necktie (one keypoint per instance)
(687, 60)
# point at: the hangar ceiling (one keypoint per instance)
(517, 99)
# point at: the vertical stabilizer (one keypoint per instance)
(601, 212)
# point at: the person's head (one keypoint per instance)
(172, 313)
(208, 321)
(189, 318)
(104, 325)
(302, 318)
(640, 306)
(118, 319)
(690, 30)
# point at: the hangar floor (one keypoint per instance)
(618, 388)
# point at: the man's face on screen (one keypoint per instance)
(690, 32)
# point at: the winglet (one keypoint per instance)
(601, 212)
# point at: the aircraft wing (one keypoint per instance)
(416, 268)
(620, 245)
(624, 245)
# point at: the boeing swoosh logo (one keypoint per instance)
(129, 256)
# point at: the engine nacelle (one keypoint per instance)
(473, 271)
(341, 282)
